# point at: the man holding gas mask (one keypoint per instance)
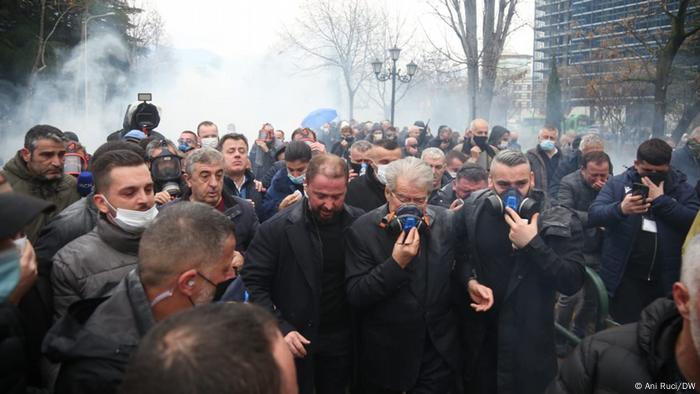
(525, 255)
(647, 212)
(399, 276)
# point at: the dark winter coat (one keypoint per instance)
(444, 197)
(260, 160)
(15, 356)
(538, 164)
(685, 161)
(282, 274)
(92, 265)
(551, 263)
(248, 189)
(394, 320)
(614, 360)
(366, 192)
(266, 179)
(61, 192)
(280, 188)
(95, 339)
(575, 193)
(674, 213)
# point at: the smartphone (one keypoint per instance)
(145, 97)
(409, 223)
(639, 189)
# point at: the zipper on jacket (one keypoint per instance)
(653, 258)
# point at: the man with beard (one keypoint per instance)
(183, 255)
(647, 212)
(295, 268)
(503, 243)
(37, 171)
(660, 353)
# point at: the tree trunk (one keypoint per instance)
(689, 114)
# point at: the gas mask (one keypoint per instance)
(406, 217)
(524, 206)
(166, 171)
(75, 161)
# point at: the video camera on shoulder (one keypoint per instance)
(146, 117)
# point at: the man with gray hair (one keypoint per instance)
(399, 260)
(525, 255)
(37, 171)
(686, 159)
(204, 174)
(435, 158)
(660, 352)
(94, 341)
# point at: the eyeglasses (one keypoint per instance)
(410, 200)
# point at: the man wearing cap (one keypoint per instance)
(17, 275)
(37, 170)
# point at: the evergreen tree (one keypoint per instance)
(554, 110)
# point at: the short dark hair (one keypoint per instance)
(42, 132)
(386, 144)
(297, 150)
(115, 145)
(214, 348)
(232, 136)
(597, 157)
(473, 173)
(107, 161)
(655, 152)
(329, 165)
(206, 123)
(195, 235)
(189, 132)
(455, 154)
(497, 133)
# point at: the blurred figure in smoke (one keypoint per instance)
(262, 154)
(410, 148)
(37, 170)
(687, 158)
(663, 348)
(342, 147)
(443, 141)
(513, 144)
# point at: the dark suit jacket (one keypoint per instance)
(395, 310)
(283, 274)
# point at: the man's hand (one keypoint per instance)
(263, 145)
(343, 143)
(317, 147)
(406, 247)
(521, 232)
(481, 296)
(237, 262)
(27, 273)
(475, 152)
(654, 191)
(598, 185)
(258, 186)
(352, 175)
(296, 343)
(163, 197)
(633, 204)
(456, 204)
(289, 200)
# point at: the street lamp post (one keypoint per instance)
(85, 62)
(394, 74)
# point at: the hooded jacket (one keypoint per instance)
(92, 265)
(61, 192)
(95, 339)
(674, 213)
(613, 361)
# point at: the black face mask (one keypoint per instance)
(349, 139)
(480, 141)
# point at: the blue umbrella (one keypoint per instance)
(318, 117)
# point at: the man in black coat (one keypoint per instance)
(184, 254)
(239, 180)
(367, 191)
(660, 353)
(525, 259)
(400, 283)
(295, 268)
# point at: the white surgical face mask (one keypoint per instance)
(133, 221)
(453, 174)
(503, 145)
(381, 173)
(210, 142)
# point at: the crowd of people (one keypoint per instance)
(354, 258)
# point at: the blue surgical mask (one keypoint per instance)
(9, 272)
(297, 180)
(547, 145)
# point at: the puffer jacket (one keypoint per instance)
(95, 339)
(61, 192)
(92, 265)
(614, 360)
